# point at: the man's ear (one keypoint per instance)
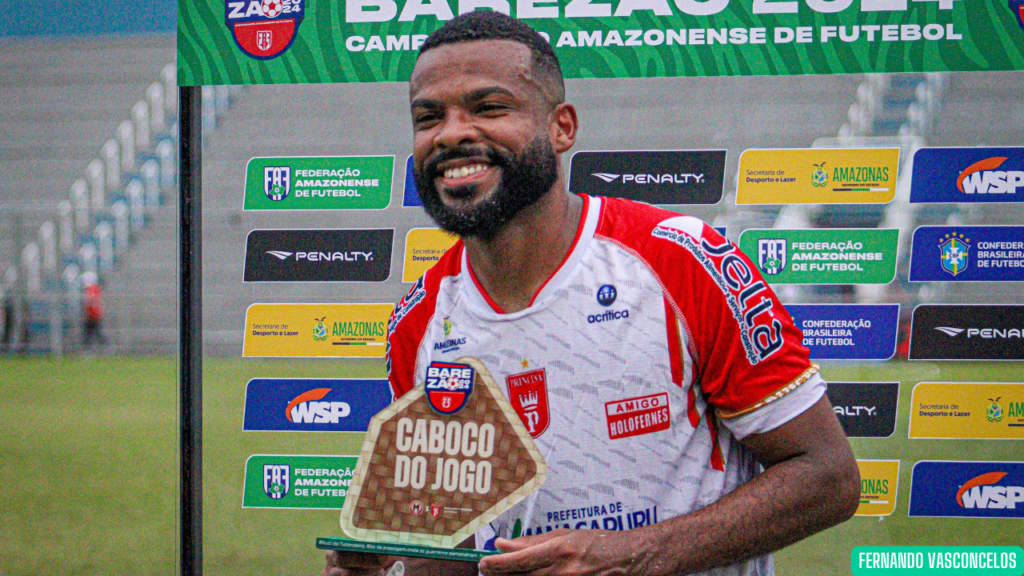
(563, 126)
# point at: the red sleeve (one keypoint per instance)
(411, 318)
(746, 350)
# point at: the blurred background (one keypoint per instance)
(88, 271)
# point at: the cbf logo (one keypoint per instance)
(954, 252)
(819, 178)
(277, 182)
(264, 29)
(449, 386)
(771, 255)
(276, 480)
(606, 295)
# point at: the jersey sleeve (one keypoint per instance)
(747, 351)
(406, 328)
(411, 319)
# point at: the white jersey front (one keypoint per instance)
(652, 319)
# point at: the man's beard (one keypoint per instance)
(525, 179)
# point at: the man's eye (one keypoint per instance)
(491, 107)
(427, 118)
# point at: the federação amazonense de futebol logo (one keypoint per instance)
(264, 29)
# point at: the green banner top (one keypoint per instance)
(333, 41)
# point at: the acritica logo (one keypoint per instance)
(979, 493)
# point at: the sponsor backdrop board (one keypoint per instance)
(968, 254)
(423, 248)
(823, 256)
(818, 176)
(967, 332)
(319, 183)
(847, 331)
(411, 194)
(651, 176)
(968, 175)
(865, 409)
(294, 481)
(967, 489)
(879, 485)
(313, 405)
(318, 255)
(321, 41)
(316, 330)
(967, 410)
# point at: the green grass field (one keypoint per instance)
(88, 458)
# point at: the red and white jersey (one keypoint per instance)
(638, 365)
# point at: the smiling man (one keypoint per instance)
(684, 427)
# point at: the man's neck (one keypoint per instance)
(515, 264)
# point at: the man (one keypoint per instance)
(605, 301)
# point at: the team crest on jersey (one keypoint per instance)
(528, 393)
(449, 386)
(264, 29)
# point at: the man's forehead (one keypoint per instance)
(500, 62)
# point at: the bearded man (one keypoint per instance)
(604, 301)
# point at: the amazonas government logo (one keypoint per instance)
(263, 29)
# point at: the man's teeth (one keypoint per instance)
(463, 171)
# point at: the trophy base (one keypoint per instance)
(390, 549)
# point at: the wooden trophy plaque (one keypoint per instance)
(437, 465)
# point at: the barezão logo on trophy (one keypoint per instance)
(954, 250)
(263, 29)
(1018, 9)
(448, 386)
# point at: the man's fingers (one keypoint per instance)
(527, 559)
(339, 559)
(507, 545)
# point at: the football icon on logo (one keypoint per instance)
(271, 8)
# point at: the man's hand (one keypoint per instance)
(356, 564)
(578, 552)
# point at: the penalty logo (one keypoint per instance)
(264, 29)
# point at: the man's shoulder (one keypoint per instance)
(422, 297)
(644, 229)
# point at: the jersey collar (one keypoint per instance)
(482, 302)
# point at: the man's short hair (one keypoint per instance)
(491, 25)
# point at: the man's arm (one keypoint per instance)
(810, 483)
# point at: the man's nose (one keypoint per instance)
(456, 129)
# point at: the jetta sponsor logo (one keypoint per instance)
(967, 332)
(968, 175)
(847, 331)
(968, 254)
(638, 416)
(865, 409)
(313, 405)
(263, 29)
(318, 255)
(655, 177)
(967, 489)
